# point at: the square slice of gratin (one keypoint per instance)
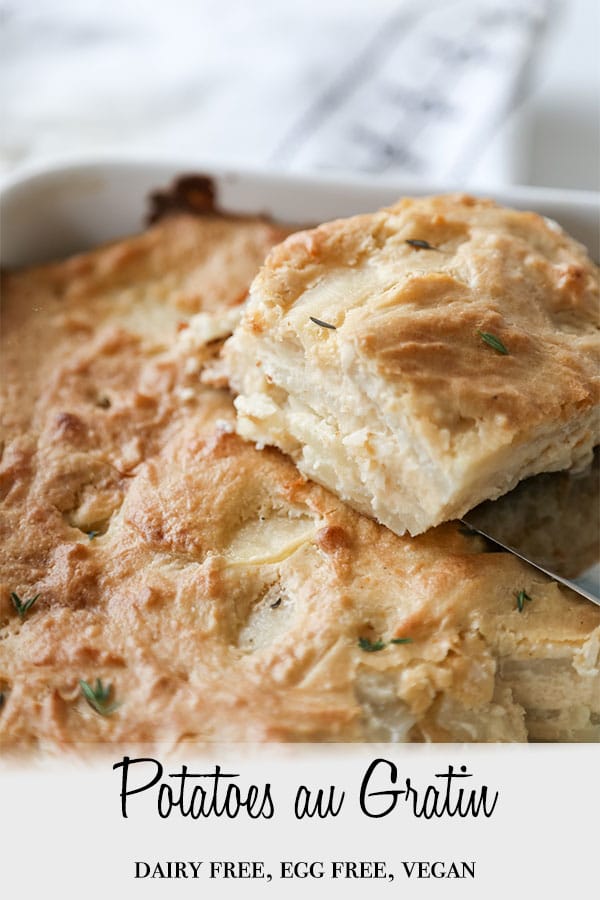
(423, 358)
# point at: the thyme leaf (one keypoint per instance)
(99, 696)
(494, 342)
(321, 323)
(421, 245)
(370, 646)
(374, 646)
(22, 606)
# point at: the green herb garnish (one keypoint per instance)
(374, 646)
(98, 697)
(522, 598)
(420, 245)
(22, 606)
(370, 646)
(321, 323)
(494, 342)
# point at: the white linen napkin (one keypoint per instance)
(379, 87)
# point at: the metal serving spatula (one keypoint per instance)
(551, 522)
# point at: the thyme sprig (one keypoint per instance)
(99, 696)
(522, 598)
(22, 606)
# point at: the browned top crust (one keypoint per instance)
(193, 194)
(513, 274)
(220, 594)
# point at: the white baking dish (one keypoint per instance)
(50, 213)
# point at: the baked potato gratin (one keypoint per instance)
(164, 580)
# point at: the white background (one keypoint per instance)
(68, 839)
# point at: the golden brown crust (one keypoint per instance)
(407, 347)
(223, 596)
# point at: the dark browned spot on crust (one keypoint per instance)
(190, 193)
(69, 425)
(4, 692)
(333, 538)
